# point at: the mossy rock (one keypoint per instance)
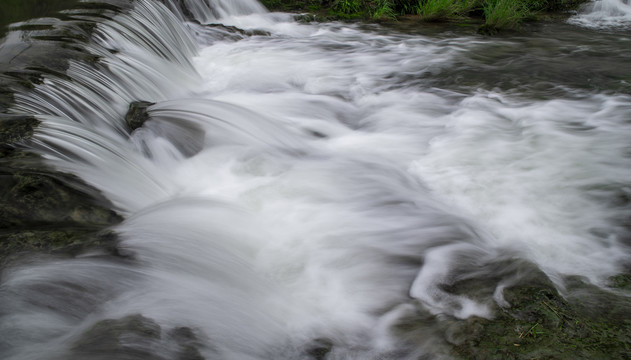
(621, 281)
(535, 320)
(41, 209)
(136, 337)
(130, 337)
(16, 128)
(541, 324)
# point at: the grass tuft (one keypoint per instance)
(383, 9)
(441, 10)
(348, 6)
(504, 14)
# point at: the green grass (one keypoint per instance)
(383, 9)
(497, 14)
(440, 10)
(349, 7)
(504, 14)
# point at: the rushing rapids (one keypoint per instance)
(298, 190)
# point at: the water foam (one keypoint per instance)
(308, 187)
(604, 14)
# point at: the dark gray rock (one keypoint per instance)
(137, 114)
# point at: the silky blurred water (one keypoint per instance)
(315, 183)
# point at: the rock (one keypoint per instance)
(15, 128)
(44, 211)
(319, 348)
(137, 114)
(128, 338)
(188, 345)
(228, 32)
(535, 320)
(620, 281)
(135, 337)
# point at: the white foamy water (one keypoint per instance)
(604, 14)
(308, 185)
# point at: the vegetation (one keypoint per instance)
(504, 14)
(538, 323)
(495, 15)
(383, 9)
(442, 10)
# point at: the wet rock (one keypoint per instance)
(236, 30)
(41, 209)
(128, 338)
(15, 128)
(534, 321)
(187, 343)
(137, 114)
(44, 211)
(621, 281)
(319, 348)
(136, 337)
(540, 323)
(227, 32)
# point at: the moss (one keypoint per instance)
(538, 322)
(621, 281)
(541, 324)
(14, 129)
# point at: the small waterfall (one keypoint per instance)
(212, 11)
(604, 13)
(304, 191)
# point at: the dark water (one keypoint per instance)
(12, 11)
(302, 189)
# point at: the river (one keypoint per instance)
(306, 186)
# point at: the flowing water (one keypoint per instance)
(308, 186)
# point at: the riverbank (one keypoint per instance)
(489, 16)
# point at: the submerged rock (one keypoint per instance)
(131, 337)
(235, 30)
(136, 337)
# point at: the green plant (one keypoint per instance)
(383, 9)
(504, 14)
(533, 332)
(437, 10)
(406, 8)
(348, 6)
